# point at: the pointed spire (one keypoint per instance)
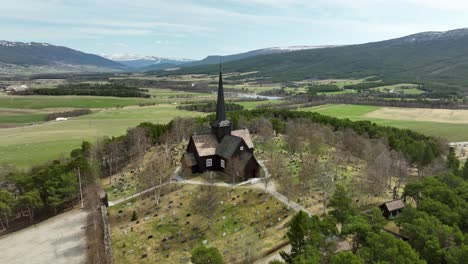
(220, 112)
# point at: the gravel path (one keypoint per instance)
(58, 240)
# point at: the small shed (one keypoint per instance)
(392, 208)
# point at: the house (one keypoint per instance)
(392, 208)
(16, 88)
(225, 150)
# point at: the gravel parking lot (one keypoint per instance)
(58, 240)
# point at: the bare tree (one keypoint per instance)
(157, 171)
(207, 202)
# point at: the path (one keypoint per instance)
(58, 240)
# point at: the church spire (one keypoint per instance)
(220, 111)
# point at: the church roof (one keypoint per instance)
(245, 135)
(208, 145)
(205, 144)
(228, 146)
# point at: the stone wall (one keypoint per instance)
(107, 235)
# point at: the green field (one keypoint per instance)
(26, 118)
(41, 102)
(451, 131)
(29, 145)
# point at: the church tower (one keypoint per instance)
(221, 126)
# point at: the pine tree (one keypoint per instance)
(297, 236)
(465, 170)
(453, 164)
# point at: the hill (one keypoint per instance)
(32, 57)
(215, 59)
(145, 62)
(428, 56)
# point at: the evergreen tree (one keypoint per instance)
(453, 164)
(465, 170)
(297, 236)
(346, 258)
(342, 203)
(205, 255)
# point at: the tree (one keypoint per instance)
(358, 229)
(309, 238)
(342, 204)
(452, 162)
(346, 258)
(207, 202)
(465, 170)
(29, 201)
(206, 255)
(6, 204)
(384, 248)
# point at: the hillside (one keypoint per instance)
(150, 62)
(429, 56)
(215, 59)
(32, 57)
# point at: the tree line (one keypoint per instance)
(72, 113)
(209, 107)
(108, 89)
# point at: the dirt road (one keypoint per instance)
(58, 240)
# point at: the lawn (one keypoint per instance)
(29, 145)
(243, 220)
(254, 104)
(422, 123)
(405, 88)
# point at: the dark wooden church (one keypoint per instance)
(225, 150)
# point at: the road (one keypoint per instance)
(58, 240)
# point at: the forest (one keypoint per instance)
(110, 89)
(209, 107)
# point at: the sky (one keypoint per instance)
(195, 29)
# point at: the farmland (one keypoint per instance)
(449, 124)
(29, 145)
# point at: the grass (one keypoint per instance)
(41, 102)
(176, 228)
(25, 118)
(29, 145)
(452, 132)
(405, 88)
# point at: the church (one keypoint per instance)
(224, 150)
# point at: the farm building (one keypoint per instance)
(225, 150)
(392, 208)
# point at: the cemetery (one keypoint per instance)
(242, 223)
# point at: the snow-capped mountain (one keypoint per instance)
(141, 61)
(35, 57)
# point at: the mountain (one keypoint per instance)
(429, 56)
(215, 59)
(137, 61)
(32, 57)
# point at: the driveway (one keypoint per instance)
(60, 239)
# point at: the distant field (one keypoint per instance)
(254, 104)
(405, 88)
(40, 102)
(29, 145)
(439, 123)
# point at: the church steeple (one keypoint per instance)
(220, 111)
(221, 126)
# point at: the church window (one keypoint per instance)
(241, 148)
(223, 164)
(209, 162)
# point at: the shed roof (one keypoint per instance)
(245, 135)
(394, 205)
